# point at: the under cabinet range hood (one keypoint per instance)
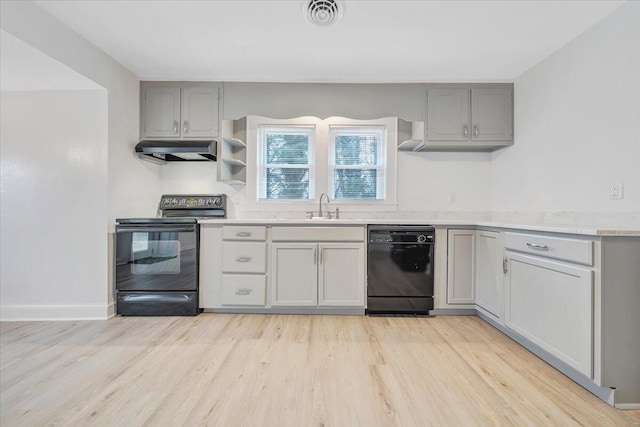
(177, 151)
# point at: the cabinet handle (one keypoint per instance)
(315, 256)
(321, 251)
(243, 259)
(505, 264)
(175, 127)
(243, 234)
(476, 132)
(185, 128)
(243, 291)
(538, 247)
(465, 131)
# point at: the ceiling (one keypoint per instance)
(376, 41)
(24, 67)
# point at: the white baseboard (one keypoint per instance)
(628, 406)
(13, 313)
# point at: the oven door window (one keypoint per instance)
(156, 261)
(154, 256)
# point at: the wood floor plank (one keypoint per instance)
(283, 370)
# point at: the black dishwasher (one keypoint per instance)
(400, 269)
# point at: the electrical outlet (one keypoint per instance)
(615, 191)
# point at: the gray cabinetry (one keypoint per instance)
(179, 110)
(491, 114)
(161, 108)
(469, 117)
(448, 115)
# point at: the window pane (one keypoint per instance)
(287, 183)
(356, 150)
(290, 149)
(359, 184)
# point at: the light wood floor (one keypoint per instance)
(255, 370)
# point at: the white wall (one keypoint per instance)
(577, 117)
(452, 184)
(53, 160)
(133, 185)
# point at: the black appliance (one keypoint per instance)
(400, 266)
(157, 260)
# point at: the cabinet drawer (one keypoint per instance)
(318, 234)
(242, 232)
(244, 257)
(573, 250)
(243, 289)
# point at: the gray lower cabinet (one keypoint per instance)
(469, 117)
(179, 110)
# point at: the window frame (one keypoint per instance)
(262, 166)
(247, 196)
(380, 168)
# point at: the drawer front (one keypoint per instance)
(244, 289)
(318, 234)
(572, 250)
(244, 232)
(244, 257)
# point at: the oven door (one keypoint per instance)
(156, 257)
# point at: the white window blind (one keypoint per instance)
(286, 163)
(357, 163)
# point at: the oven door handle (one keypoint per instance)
(147, 229)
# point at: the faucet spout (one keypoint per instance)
(320, 208)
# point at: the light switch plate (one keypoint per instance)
(615, 191)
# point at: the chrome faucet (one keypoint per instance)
(320, 209)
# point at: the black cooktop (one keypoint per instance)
(156, 220)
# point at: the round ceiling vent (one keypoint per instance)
(323, 12)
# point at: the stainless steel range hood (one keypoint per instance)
(177, 151)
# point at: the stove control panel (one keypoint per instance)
(172, 201)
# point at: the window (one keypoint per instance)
(295, 160)
(357, 163)
(286, 163)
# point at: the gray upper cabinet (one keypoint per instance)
(162, 112)
(448, 112)
(199, 112)
(179, 110)
(471, 117)
(492, 114)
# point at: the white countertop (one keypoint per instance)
(589, 230)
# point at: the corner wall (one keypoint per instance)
(54, 159)
(577, 117)
(133, 186)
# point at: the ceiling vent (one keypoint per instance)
(323, 12)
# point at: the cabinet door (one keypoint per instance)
(460, 269)
(489, 275)
(162, 112)
(210, 266)
(294, 274)
(551, 304)
(492, 114)
(341, 274)
(199, 112)
(448, 115)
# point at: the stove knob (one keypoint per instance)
(166, 201)
(422, 238)
(217, 202)
(209, 202)
(174, 202)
